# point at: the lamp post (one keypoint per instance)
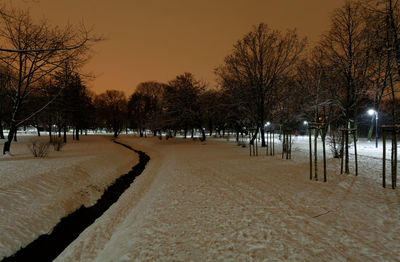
(373, 112)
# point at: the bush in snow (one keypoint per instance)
(58, 143)
(38, 148)
(335, 143)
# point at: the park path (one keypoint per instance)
(211, 201)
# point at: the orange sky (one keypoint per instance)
(159, 39)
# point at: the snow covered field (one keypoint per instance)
(36, 193)
(208, 201)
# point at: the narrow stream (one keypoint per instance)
(48, 246)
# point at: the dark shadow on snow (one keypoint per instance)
(47, 247)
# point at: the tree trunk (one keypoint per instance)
(77, 134)
(394, 175)
(324, 151)
(203, 134)
(346, 155)
(185, 133)
(1, 130)
(50, 126)
(393, 100)
(37, 127)
(192, 133)
(355, 150)
(210, 126)
(310, 149)
(11, 134)
(263, 137)
(384, 159)
(65, 134)
(315, 155)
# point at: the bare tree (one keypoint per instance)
(112, 106)
(5, 76)
(138, 109)
(258, 60)
(181, 104)
(152, 93)
(33, 51)
(346, 49)
(386, 22)
(237, 102)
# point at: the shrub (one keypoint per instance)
(38, 148)
(335, 143)
(58, 143)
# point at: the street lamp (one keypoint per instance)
(373, 112)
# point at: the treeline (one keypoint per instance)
(270, 76)
(273, 76)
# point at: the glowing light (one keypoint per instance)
(371, 112)
(305, 123)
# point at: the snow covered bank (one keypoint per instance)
(211, 201)
(36, 193)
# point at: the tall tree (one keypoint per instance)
(112, 105)
(386, 25)
(258, 61)
(346, 47)
(181, 103)
(151, 93)
(138, 108)
(33, 50)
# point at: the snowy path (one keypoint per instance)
(36, 193)
(211, 201)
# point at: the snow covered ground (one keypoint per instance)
(36, 193)
(204, 201)
(211, 201)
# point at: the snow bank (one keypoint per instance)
(36, 193)
(211, 201)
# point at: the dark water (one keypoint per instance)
(47, 247)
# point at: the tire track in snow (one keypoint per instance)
(48, 246)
